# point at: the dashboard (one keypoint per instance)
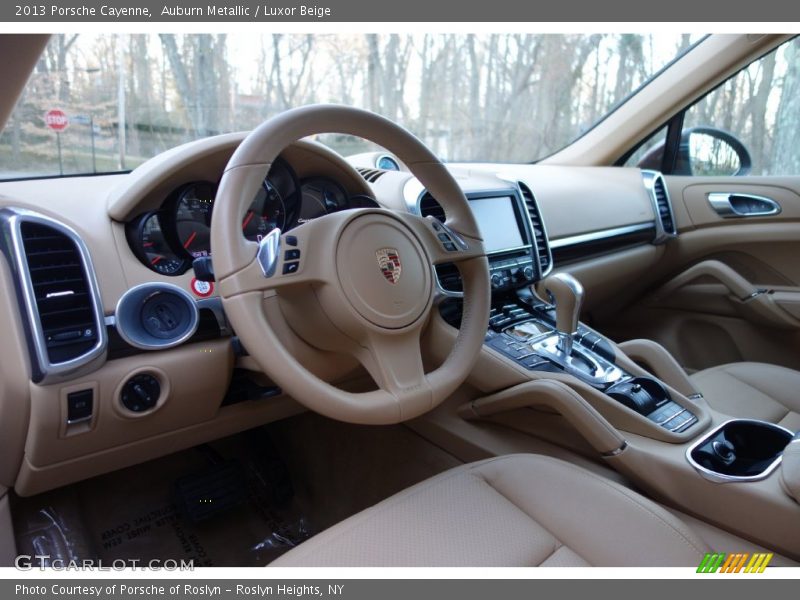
(168, 239)
(135, 314)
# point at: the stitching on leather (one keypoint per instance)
(681, 535)
(559, 546)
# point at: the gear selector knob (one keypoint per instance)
(567, 293)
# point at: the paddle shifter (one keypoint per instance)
(567, 293)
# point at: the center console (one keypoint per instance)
(549, 376)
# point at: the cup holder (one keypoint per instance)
(739, 450)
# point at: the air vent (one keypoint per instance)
(371, 175)
(543, 253)
(57, 292)
(429, 207)
(665, 218)
(664, 208)
(61, 292)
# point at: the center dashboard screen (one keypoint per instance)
(497, 223)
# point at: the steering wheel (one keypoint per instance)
(357, 281)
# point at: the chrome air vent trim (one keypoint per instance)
(43, 370)
(541, 245)
(665, 231)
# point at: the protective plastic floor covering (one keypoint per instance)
(336, 470)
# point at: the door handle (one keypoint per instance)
(733, 205)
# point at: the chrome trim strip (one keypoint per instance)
(156, 288)
(650, 178)
(532, 233)
(670, 418)
(721, 477)
(616, 452)
(86, 362)
(603, 234)
(269, 250)
(439, 293)
(721, 203)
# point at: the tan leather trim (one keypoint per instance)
(790, 470)
(660, 362)
(603, 437)
(8, 546)
(15, 373)
(516, 510)
(760, 511)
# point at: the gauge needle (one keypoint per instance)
(188, 242)
(156, 260)
(248, 218)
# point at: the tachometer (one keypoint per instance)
(193, 218)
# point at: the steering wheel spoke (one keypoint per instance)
(281, 261)
(395, 363)
(442, 243)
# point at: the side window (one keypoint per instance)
(750, 124)
(649, 153)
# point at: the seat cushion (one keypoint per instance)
(516, 510)
(754, 391)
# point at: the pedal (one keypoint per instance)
(213, 491)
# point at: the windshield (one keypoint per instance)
(106, 103)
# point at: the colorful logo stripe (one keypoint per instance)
(734, 563)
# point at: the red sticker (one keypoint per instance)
(202, 288)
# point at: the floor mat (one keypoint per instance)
(136, 513)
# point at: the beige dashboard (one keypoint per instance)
(45, 451)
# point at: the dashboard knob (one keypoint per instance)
(528, 273)
(497, 280)
(140, 393)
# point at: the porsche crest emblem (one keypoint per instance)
(389, 263)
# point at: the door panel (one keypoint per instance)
(730, 287)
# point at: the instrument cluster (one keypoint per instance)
(167, 240)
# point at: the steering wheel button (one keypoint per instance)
(291, 240)
(290, 267)
(293, 254)
(450, 246)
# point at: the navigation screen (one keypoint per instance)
(497, 223)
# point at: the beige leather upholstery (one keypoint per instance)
(515, 510)
(790, 470)
(753, 390)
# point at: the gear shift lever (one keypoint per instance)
(567, 293)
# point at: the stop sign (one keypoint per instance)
(56, 119)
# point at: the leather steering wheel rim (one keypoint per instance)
(345, 280)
